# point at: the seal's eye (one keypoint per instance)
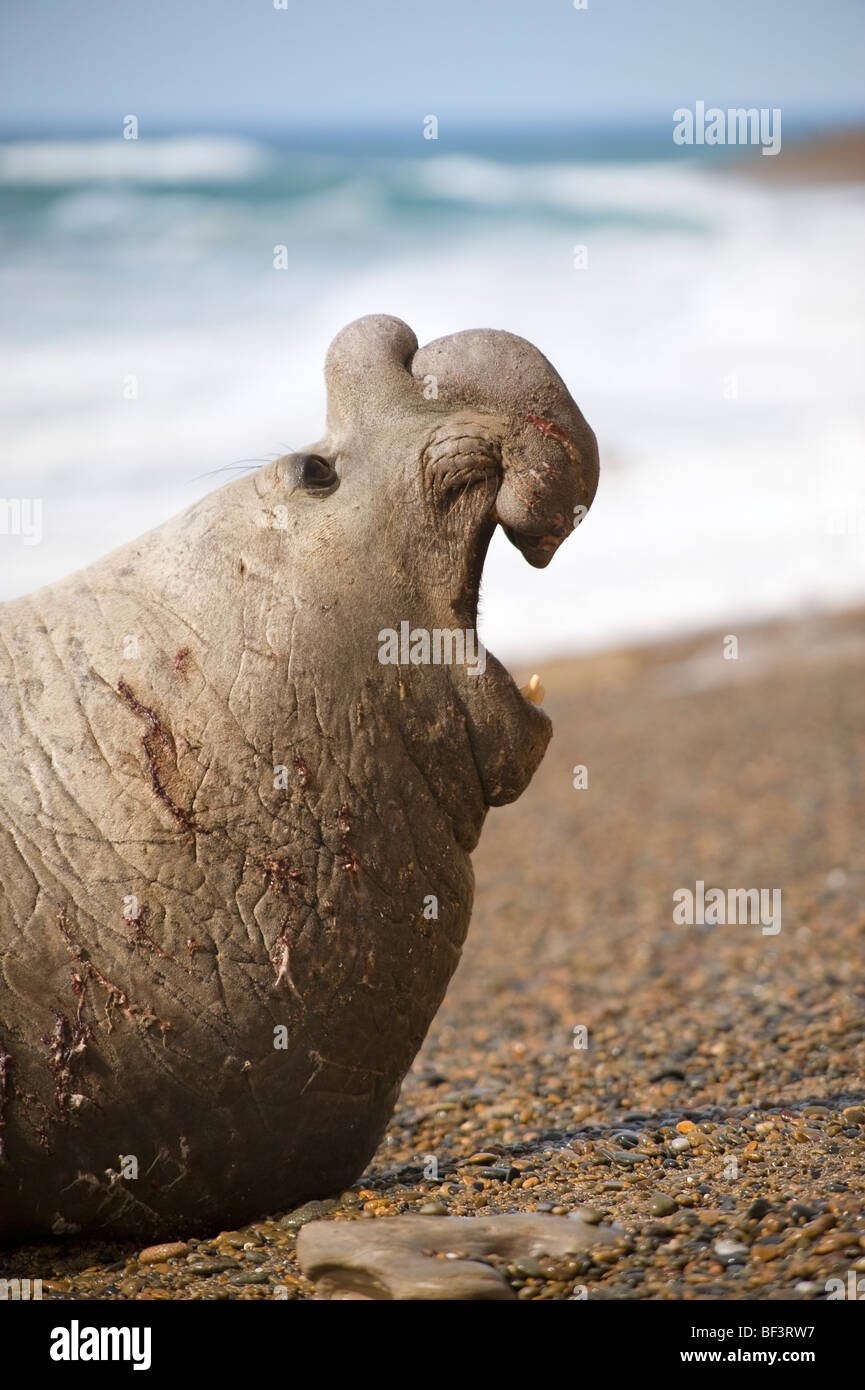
(315, 472)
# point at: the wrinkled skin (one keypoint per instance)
(222, 817)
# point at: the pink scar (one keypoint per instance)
(550, 430)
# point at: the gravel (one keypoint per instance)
(717, 1113)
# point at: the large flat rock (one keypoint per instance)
(433, 1257)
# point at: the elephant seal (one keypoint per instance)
(234, 838)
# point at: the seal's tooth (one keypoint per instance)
(534, 691)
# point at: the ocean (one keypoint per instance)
(707, 320)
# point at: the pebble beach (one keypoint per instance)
(700, 1088)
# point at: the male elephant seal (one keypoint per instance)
(234, 843)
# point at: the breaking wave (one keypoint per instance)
(711, 334)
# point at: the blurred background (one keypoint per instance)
(704, 304)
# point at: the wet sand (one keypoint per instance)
(715, 1112)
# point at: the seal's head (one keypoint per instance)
(426, 451)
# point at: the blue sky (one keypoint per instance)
(205, 64)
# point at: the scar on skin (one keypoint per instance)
(278, 875)
(141, 937)
(279, 958)
(64, 1046)
(116, 997)
(41, 1123)
(550, 430)
(152, 741)
(351, 865)
(303, 771)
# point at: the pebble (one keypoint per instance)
(663, 1205)
(820, 1224)
(155, 1254)
(730, 1250)
(757, 1210)
(836, 1240)
(681, 1144)
(310, 1211)
(766, 1250)
(626, 1139)
(590, 1215)
(196, 1266)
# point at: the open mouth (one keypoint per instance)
(545, 474)
(508, 730)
